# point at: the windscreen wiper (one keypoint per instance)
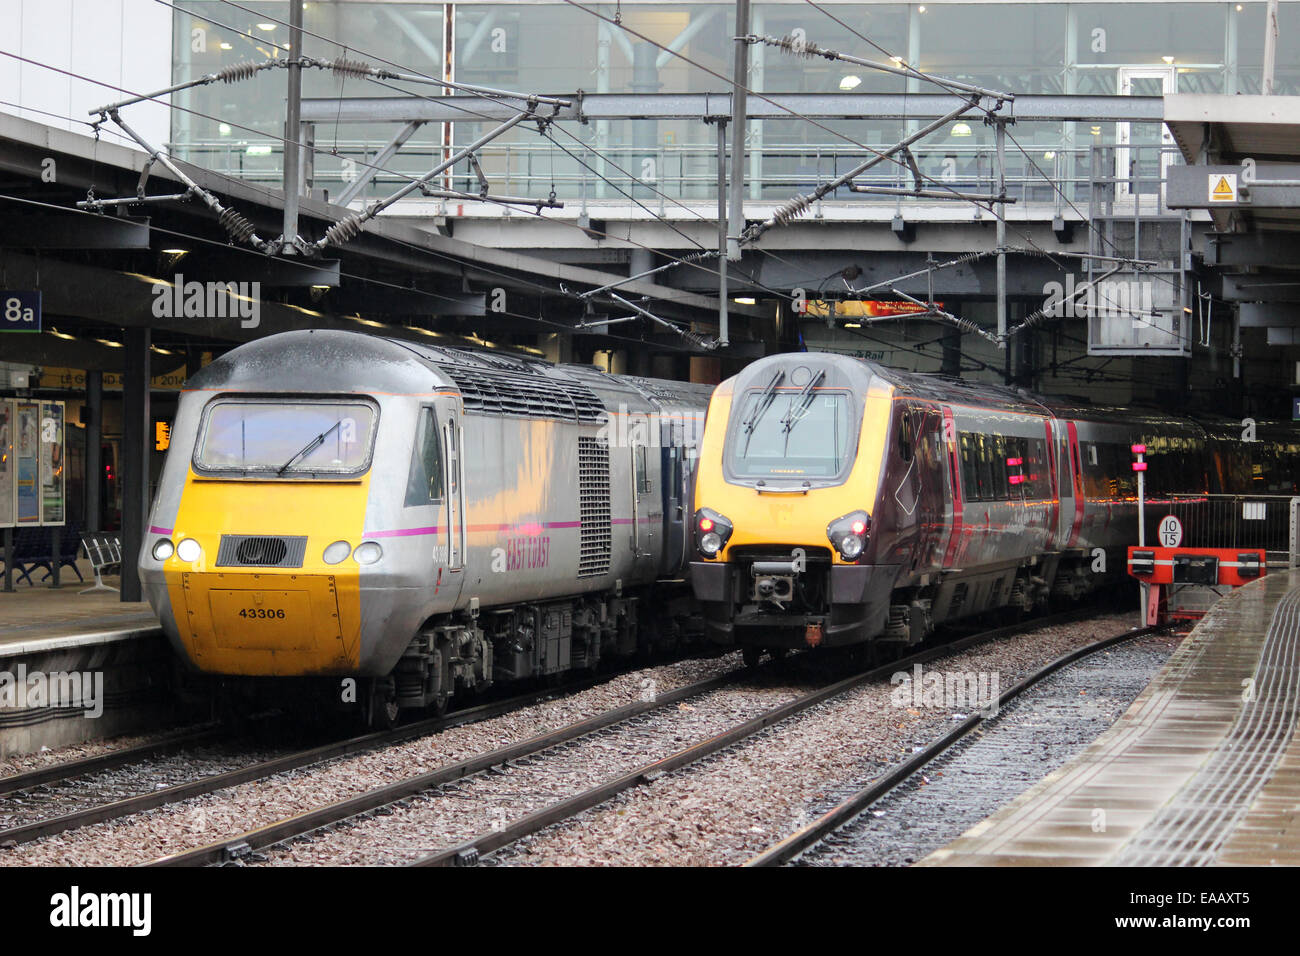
(760, 408)
(801, 403)
(764, 400)
(310, 447)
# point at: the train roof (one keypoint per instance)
(324, 360)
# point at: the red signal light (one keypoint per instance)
(1139, 466)
(1016, 479)
(1139, 449)
(1013, 462)
(859, 527)
(706, 524)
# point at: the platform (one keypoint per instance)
(1203, 768)
(115, 651)
(33, 616)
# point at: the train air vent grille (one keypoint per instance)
(261, 551)
(593, 500)
(526, 394)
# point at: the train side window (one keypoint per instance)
(969, 471)
(998, 466)
(985, 467)
(1064, 476)
(424, 483)
(642, 471)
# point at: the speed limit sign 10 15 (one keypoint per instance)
(1170, 532)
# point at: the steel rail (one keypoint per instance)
(469, 852)
(59, 772)
(244, 843)
(853, 807)
(293, 761)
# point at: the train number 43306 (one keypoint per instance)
(261, 612)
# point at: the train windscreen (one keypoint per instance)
(792, 435)
(286, 439)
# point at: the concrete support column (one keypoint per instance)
(134, 466)
(94, 450)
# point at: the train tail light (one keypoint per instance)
(849, 534)
(712, 530)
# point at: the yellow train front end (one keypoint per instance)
(786, 493)
(264, 604)
(254, 553)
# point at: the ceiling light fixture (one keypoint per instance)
(961, 129)
(850, 82)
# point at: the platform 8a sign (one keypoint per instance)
(21, 312)
(1170, 532)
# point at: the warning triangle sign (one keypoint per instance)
(1223, 189)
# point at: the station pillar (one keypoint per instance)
(94, 445)
(135, 458)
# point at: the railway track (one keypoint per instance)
(60, 774)
(862, 800)
(247, 845)
(28, 788)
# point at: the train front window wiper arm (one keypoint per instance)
(801, 403)
(760, 408)
(310, 447)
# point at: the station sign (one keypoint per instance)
(20, 311)
(1170, 531)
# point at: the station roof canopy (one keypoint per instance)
(396, 277)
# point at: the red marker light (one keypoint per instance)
(859, 527)
(706, 524)
(1139, 449)
(1139, 466)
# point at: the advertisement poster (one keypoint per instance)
(52, 464)
(28, 442)
(6, 463)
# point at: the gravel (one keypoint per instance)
(1034, 735)
(720, 811)
(197, 822)
(727, 808)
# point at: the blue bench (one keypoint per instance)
(34, 550)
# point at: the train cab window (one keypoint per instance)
(906, 439)
(794, 435)
(284, 438)
(984, 462)
(424, 483)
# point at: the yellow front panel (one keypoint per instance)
(267, 624)
(791, 519)
(321, 630)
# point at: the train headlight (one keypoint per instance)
(711, 532)
(189, 550)
(849, 534)
(163, 549)
(336, 552)
(367, 552)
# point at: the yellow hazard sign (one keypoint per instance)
(1223, 187)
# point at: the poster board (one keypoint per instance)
(7, 486)
(37, 472)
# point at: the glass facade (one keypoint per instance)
(550, 47)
